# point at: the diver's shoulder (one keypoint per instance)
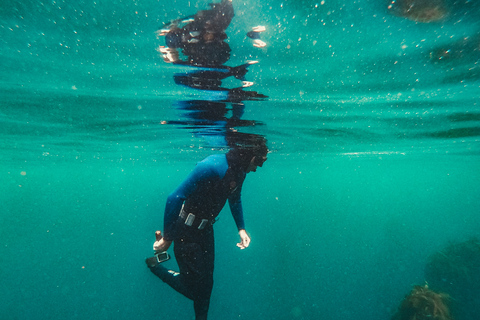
(215, 160)
(215, 164)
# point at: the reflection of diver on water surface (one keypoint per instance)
(211, 78)
(212, 120)
(201, 114)
(209, 117)
(209, 82)
(201, 37)
(205, 27)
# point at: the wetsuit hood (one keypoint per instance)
(243, 148)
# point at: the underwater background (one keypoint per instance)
(373, 123)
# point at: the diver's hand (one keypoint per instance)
(244, 239)
(160, 244)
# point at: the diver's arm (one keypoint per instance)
(235, 202)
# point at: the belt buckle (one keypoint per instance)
(203, 224)
(189, 220)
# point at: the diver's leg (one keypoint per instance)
(204, 283)
(195, 280)
(172, 278)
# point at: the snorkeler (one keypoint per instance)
(191, 211)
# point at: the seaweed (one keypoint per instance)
(423, 304)
(456, 270)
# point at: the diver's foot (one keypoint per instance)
(151, 262)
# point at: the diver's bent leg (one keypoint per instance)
(173, 279)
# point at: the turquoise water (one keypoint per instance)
(374, 163)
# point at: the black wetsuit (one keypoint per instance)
(204, 194)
